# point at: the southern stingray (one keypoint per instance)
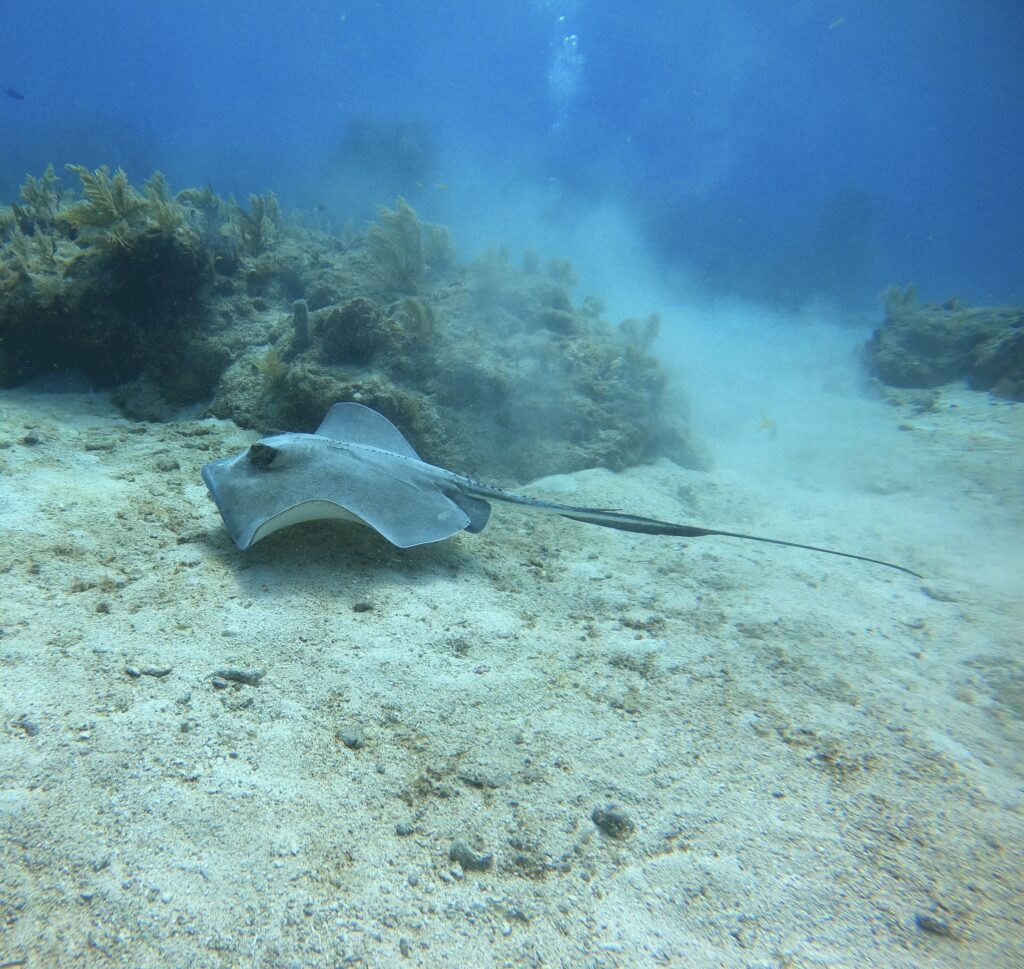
(359, 467)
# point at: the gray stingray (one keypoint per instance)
(359, 467)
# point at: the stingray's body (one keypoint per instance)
(359, 467)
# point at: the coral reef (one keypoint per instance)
(111, 284)
(189, 298)
(924, 345)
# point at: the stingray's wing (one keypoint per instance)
(291, 478)
(359, 425)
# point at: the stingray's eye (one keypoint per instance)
(262, 455)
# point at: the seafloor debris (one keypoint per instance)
(469, 858)
(613, 821)
(245, 677)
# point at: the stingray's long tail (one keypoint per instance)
(652, 526)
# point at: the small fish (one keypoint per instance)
(768, 425)
(837, 23)
(13, 92)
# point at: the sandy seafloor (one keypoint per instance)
(821, 758)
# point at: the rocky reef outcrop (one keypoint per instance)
(924, 345)
(188, 298)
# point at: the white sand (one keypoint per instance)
(814, 751)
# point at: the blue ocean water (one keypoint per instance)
(789, 151)
(546, 744)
